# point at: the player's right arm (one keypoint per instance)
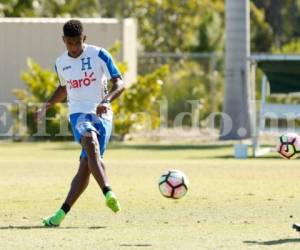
(58, 96)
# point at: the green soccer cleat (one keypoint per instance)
(55, 219)
(112, 202)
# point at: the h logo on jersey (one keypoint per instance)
(86, 62)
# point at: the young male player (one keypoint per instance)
(83, 72)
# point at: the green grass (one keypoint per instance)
(231, 204)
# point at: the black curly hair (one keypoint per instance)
(73, 28)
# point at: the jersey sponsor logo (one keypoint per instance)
(83, 82)
(67, 67)
(86, 62)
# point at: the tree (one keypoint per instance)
(76, 8)
(165, 25)
(211, 33)
(19, 8)
(282, 17)
(49, 8)
(261, 31)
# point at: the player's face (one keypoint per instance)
(74, 45)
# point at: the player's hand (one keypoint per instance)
(102, 108)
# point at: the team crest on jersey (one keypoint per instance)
(86, 63)
(83, 82)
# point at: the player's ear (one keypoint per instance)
(84, 38)
(63, 38)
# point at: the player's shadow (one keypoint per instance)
(135, 245)
(272, 242)
(169, 147)
(43, 227)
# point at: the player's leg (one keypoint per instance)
(83, 127)
(90, 143)
(79, 182)
(78, 185)
(104, 128)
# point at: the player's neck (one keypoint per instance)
(79, 54)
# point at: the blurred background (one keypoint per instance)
(172, 54)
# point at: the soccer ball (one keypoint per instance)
(173, 184)
(289, 145)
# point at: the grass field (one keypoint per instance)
(231, 204)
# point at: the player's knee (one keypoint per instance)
(91, 146)
(90, 143)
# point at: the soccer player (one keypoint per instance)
(84, 71)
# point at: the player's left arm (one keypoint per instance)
(117, 89)
(113, 74)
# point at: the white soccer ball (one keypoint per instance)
(289, 145)
(173, 184)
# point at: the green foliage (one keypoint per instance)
(170, 26)
(211, 33)
(40, 84)
(289, 48)
(163, 25)
(18, 8)
(261, 32)
(191, 82)
(76, 8)
(283, 18)
(166, 26)
(49, 8)
(174, 26)
(135, 109)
